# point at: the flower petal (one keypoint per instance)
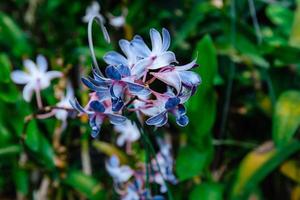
(42, 63)
(75, 104)
(158, 120)
(187, 66)
(166, 39)
(127, 50)
(189, 78)
(171, 78)
(53, 74)
(137, 89)
(97, 106)
(172, 103)
(28, 91)
(139, 47)
(114, 58)
(163, 60)
(20, 77)
(140, 67)
(116, 119)
(113, 73)
(124, 70)
(182, 120)
(156, 41)
(30, 66)
(96, 123)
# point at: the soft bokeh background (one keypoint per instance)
(241, 142)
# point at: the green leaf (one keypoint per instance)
(207, 191)
(295, 33)
(11, 149)
(286, 117)
(21, 180)
(86, 185)
(258, 164)
(190, 162)
(12, 36)
(5, 66)
(40, 146)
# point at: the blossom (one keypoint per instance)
(118, 21)
(36, 77)
(97, 112)
(120, 174)
(158, 56)
(62, 114)
(129, 132)
(91, 11)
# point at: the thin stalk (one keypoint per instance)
(38, 98)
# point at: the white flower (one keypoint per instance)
(131, 194)
(118, 21)
(65, 103)
(129, 132)
(92, 10)
(36, 78)
(120, 174)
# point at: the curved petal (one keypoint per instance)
(166, 39)
(126, 48)
(182, 120)
(172, 103)
(20, 77)
(53, 74)
(42, 63)
(28, 91)
(156, 41)
(189, 78)
(30, 66)
(163, 60)
(91, 85)
(158, 120)
(75, 104)
(124, 70)
(97, 106)
(113, 73)
(114, 58)
(139, 68)
(187, 66)
(171, 78)
(137, 89)
(139, 47)
(96, 123)
(116, 119)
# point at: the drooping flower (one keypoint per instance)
(97, 112)
(118, 21)
(36, 77)
(91, 11)
(120, 174)
(129, 133)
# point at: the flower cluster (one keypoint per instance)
(131, 184)
(128, 80)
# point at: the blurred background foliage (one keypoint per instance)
(242, 140)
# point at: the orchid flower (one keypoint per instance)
(129, 132)
(36, 78)
(118, 21)
(120, 174)
(158, 57)
(91, 11)
(98, 111)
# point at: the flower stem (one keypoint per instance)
(38, 98)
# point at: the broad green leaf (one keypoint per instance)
(258, 164)
(40, 146)
(291, 169)
(295, 33)
(207, 191)
(190, 162)
(12, 36)
(86, 185)
(286, 119)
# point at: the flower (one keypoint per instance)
(118, 21)
(128, 132)
(62, 114)
(36, 78)
(98, 110)
(158, 57)
(120, 174)
(91, 11)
